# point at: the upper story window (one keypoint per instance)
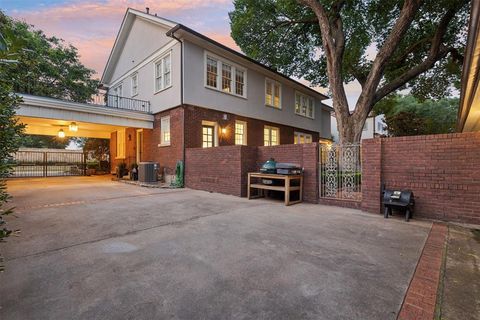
(301, 137)
(165, 131)
(304, 105)
(134, 84)
(117, 94)
(240, 133)
(273, 93)
(163, 79)
(271, 136)
(224, 76)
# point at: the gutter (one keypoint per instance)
(171, 34)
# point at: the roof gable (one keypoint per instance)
(123, 35)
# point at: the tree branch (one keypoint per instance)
(436, 53)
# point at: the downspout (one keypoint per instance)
(171, 34)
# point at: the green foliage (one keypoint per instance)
(46, 66)
(406, 115)
(285, 35)
(39, 141)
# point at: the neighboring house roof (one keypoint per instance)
(176, 27)
(469, 111)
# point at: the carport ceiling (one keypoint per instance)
(50, 127)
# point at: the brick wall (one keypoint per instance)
(224, 169)
(130, 149)
(442, 171)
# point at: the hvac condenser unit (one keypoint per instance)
(147, 171)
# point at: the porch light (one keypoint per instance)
(73, 127)
(61, 133)
(224, 130)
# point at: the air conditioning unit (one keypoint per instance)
(147, 171)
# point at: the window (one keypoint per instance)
(134, 85)
(239, 82)
(304, 105)
(365, 126)
(121, 144)
(273, 92)
(224, 76)
(379, 126)
(163, 73)
(240, 133)
(207, 136)
(301, 137)
(165, 131)
(271, 136)
(117, 95)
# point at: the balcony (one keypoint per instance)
(117, 102)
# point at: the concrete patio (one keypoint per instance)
(90, 248)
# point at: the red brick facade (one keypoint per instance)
(186, 126)
(225, 169)
(441, 170)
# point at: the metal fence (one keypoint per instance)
(48, 163)
(340, 172)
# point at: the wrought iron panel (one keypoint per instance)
(340, 171)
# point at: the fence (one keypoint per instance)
(28, 163)
(340, 172)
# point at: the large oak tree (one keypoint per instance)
(385, 45)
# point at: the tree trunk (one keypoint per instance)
(349, 127)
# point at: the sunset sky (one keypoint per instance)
(91, 26)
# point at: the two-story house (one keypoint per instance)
(203, 94)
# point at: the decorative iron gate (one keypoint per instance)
(28, 163)
(340, 171)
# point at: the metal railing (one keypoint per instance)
(118, 102)
(341, 172)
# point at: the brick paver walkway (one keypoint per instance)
(419, 303)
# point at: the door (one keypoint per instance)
(139, 145)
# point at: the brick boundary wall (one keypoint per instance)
(441, 170)
(421, 297)
(224, 169)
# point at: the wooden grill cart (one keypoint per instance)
(281, 182)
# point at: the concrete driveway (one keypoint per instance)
(91, 248)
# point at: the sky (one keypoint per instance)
(91, 26)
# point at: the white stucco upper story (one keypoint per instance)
(173, 71)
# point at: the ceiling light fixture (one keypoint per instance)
(73, 127)
(61, 133)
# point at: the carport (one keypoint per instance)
(97, 119)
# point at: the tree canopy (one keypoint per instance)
(407, 115)
(385, 45)
(44, 65)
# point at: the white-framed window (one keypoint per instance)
(273, 93)
(117, 95)
(165, 131)
(210, 131)
(121, 144)
(365, 126)
(134, 84)
(271, 136)
(225, 76)
(301, 137)
(163, 71)
(304, 105)
(240, 133)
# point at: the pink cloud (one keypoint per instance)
(92, 26)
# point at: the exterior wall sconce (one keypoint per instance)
(224, 130)
(61, 133)
(73, 127)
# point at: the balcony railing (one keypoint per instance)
(113, 101)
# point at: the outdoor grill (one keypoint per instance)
(273, 167)
(399, 200)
